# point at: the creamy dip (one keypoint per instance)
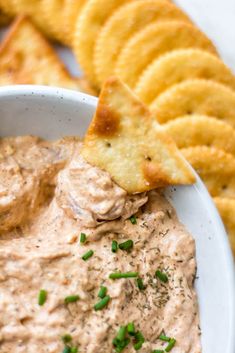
(48, 196)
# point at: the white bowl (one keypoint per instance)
(52, 113)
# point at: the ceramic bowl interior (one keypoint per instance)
(52, 113)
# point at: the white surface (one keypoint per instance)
(52, 113)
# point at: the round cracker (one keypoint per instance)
(154, 40)
(196, 97)
(226, 208)
(93, 16)
(198, 130)
(215, 167)
(180, 65)
(8, 7)
(123, 24)
(61, 16)
(4, 19)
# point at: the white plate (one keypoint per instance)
(52, 113)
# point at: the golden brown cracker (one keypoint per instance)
(125, 141)
(27, 58)
(93, 16)
(123, 24)
(215, 167)
(61, 16)
(226, 208)
(199, 130)
(4, 19)
(154, 40)
(195, 97)
(177, 66)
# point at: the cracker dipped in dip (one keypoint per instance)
(88, 265)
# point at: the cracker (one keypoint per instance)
(123, 24)
(180, 65)
(154, 40)
(125, 141)
(7, 6)
(93, 16)
(215, 167)
(195, 97)
(61, 16)
(34, 10)
(27, 58)
(4, 19)
(196, 130)
(226, 208)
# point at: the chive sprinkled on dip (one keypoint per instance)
(87, 255)
(131, 328)
(162, 276)
(71, 299)
(102, 292)
(102, 303)
(164, 338)
(140, 284)
(133, 219)
(170, 345)
(42, 297)
(114, 246)
(82, 238)
(126, 245)
(66, 338)
(117, 275)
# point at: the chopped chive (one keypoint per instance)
(133, 219)
(102, 292)
(42, 297)
(74, 350)
(131, 328)
(82, 238)
(114, 246)
(102, 303)
(117, 275)
(71, 299)
(66, 338)
(164, 338)
(87, 255)
(170, 345)
(140, 283)
(139, 340)
(162, 276)
(158, 351)
(127, 245)
(120, 346)
(66, 349)
(121, 333)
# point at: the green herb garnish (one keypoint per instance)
(121, 333)
(139, 340)
(102, 292)
(67, 349)
(162, 276)
(42, 297)
(82, 238)
(102, 303)
(131, 328)
(133, 219)
(87, 255)
(71, 299)
(114, 246)
(117, 275)
(140, 284)
(171, 344)
(126, 245)
(66, 338)
(158, 351)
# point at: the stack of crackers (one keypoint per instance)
(156, 49)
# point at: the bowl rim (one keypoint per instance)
(76, 96)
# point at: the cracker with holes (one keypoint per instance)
(154, 40)
(123, 24)
(199, 130)
(178, 66)
(124, 140)
(27, 58)
(195, 97)
(215, 167)
(226, 209)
